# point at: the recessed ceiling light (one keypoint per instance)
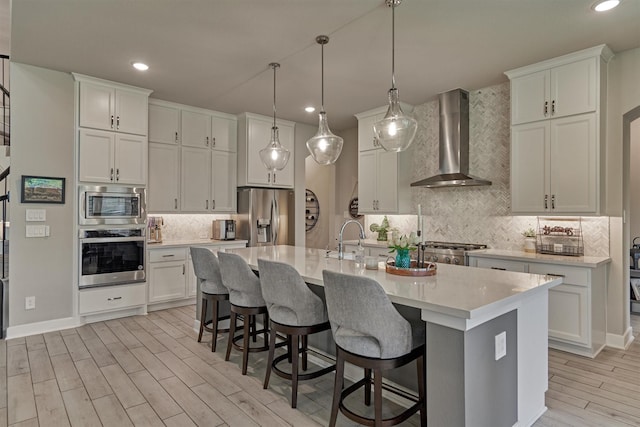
(141, 66)
(309, 109)
(605, 5)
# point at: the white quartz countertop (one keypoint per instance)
(369, 242)
(462, 292)
(195, 242)
(576, 261)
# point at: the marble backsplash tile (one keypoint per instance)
(188, 226)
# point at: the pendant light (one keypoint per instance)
(396, 130)
(325, 147)
(274, 155)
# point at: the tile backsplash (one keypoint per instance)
(187, 226)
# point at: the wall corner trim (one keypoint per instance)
(42, 327)
(621, 342)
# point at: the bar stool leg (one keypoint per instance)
(214, 324)
(289, 348)
(367, 387)
(294, 371)
(203, 314)
(232, 331)
(421, 361)
(272, 348)
(337, 389)
(245, 340)
(252, 322)
(377, 397)
(265, 321)
(304, 352)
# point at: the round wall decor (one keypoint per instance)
(311, 210)
(353, 208)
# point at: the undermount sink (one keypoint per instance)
(347, 255)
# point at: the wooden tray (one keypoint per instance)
(430, 270)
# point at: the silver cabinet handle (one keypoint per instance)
(546, 108)
(114, 298)
(555, 275)
(213, 141)
(499, 268)
(111, 174)
(274, 177)
(553, 107)
(207, 204)
(183, 269)
(269, 177)
(546, 201)
(111, 122)
(176, 137)
(553, 201)
(175, 203)
(168, 256)
(213, 204)
(118, 122)
(207, 142)
(118, 174)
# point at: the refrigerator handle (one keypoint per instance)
(275, 219)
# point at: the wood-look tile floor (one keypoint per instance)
(150, 371)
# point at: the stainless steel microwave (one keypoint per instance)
(112, 205)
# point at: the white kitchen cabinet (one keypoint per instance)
(163, 189)
(164, 122)
(223, 181)
(554, 166)
(167, 274)
(111, 298)
(384, 177)
(196, 129)
(112, 106)
(112, 158)
(577, 307)
(558, 118)
(195, 187)
(254, 133)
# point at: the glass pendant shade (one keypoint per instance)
(396, 130)
(274, 156)
(325, 147)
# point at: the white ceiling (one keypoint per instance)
(215, 53)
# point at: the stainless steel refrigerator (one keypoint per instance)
(265, 216)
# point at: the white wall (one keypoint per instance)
(346, 182)
(634, 181)
(321, 180)
(303, 133)
(42, 143)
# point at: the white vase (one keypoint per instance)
(530, 244)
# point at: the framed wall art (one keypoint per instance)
(42, 189)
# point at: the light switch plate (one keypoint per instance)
(37, 230)
(36, 215)
(501, 345)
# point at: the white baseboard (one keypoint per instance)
(99, 317)
(170, 304)
(621, 342)
(42, 327)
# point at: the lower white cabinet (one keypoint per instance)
(577, 307)
(111, 298)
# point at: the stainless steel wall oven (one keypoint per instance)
(111, 256)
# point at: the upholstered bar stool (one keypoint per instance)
(207, 269)
(246, 300)
(370, 333)
(296, 312)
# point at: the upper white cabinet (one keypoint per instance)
(254, 133)
(192, 159)
(111, 106)
(384, 177)
(558, 123)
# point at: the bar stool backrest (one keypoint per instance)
(363, 319)
(289, 299)
(243, 284)
(207, 269)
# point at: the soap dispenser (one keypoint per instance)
(359, 255)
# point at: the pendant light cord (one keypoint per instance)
(393, 44)
(274, 65)
(322, 77)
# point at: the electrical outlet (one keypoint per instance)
(501, 345)
(30, 303)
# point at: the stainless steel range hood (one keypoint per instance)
(454, 144)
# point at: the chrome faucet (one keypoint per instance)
(340, 246)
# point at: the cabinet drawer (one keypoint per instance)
(112, 298)
(167, 254)
(501, 264)
(571, 275)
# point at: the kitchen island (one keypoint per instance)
(467, 313)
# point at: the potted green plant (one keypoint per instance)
(529, 240)
(381, 229)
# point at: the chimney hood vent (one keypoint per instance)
(453, 144)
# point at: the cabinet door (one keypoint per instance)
(529, 174)
(196, 176)
(569, 314)
(97, 106)
(196, 129)
(387, 181)
(223, 181)
(162, 195)
(285, 177)
(573, 164)
(367, 161)
(96, 149)
(224, 134)
(573, 88)
(366, 140)
(258, 136)
(132, 113)
(530, 98)
(131, 159)
(164, 124)
(167, 280)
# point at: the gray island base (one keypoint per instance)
(466, 311)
